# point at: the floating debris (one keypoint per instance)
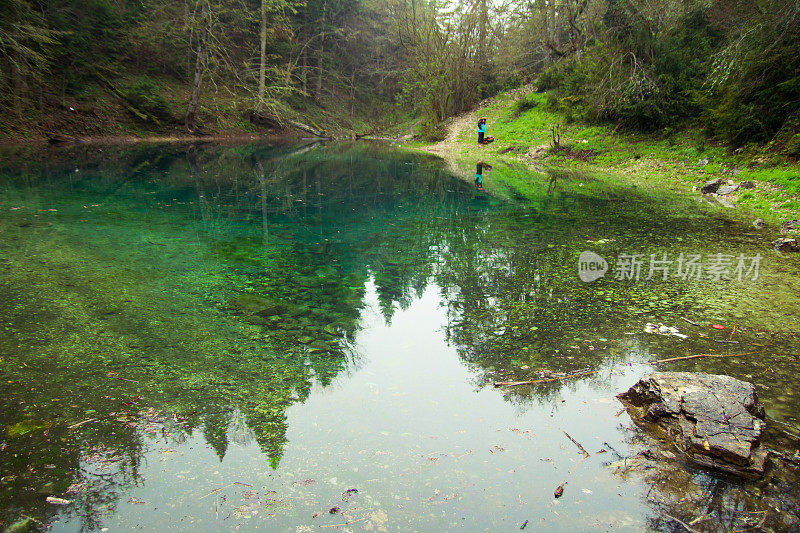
(661, 329)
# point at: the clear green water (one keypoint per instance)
(287, 323)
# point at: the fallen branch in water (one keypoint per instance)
(346, 523)
(515, 383)
(225, 487)
(758, 526)
(796, 437)
(684, 524)
(576, 443)
(31, 518)
(698, 356)
(689, 321)
(786, 457)
(82, 422)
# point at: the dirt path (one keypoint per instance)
(466, 122)
(456, 125)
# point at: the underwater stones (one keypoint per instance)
(715, 420)
(256, 320)
(789, 225)
(711, 186)
(786, 244)
(319, 347)
(252, 304)
(27, 426)
(310, 282)
(20, 526)
(298, 311)
(727, 189)
(748, 184)
(759, 223)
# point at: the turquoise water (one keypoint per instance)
(220, 337)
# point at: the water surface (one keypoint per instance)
(226, 337)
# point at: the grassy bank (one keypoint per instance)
(524, 127)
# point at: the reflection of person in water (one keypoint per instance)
(479, 170)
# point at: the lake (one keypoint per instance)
(303, 337)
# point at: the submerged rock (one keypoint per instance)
(252, 304)
(786, 244)
(789, 225)
(319, 347)
(727, 189)
(759, 223)
(748, 184)
(20, 526)
(711, 186)
(715, 420)
(256, 320)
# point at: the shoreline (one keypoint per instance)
(136, 139)
(645, 161)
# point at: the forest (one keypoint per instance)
(134, 67)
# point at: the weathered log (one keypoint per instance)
(264, 120)
(57, 138)
(308, 129)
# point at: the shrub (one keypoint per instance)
(793, 146)
(432, 131)
(525, 103)
(146, 95)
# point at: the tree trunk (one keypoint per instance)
(262, 69)
(318, 92)
(304, 72)
(483, 23)
(199, 70)
(18, 87)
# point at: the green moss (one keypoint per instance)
(27, 426)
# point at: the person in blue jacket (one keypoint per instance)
(482, 137)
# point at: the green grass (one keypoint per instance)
(670, 159)
(786, 178)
